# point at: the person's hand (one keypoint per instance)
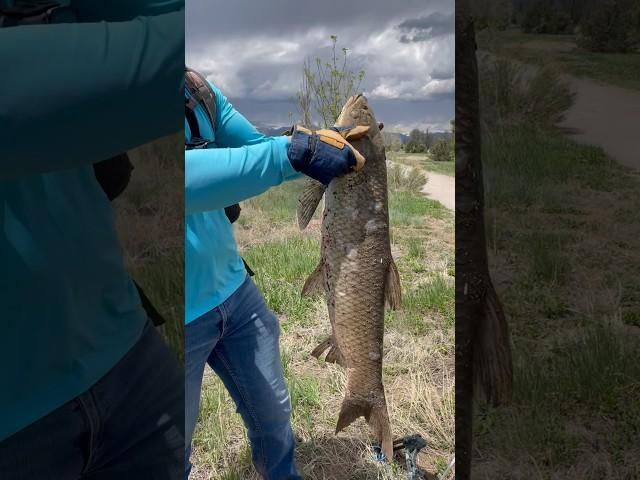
(325, 154)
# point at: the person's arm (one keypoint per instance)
(75, 94)
(250, 164)
(232, 128)
(219, 177)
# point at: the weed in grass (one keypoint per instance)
(415, 249)
(550, 260)
(402, 178)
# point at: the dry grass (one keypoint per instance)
(418, 362)
(150, 220)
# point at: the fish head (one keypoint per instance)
(356, 113)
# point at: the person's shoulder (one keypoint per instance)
(215, 89)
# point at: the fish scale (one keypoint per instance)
(356, 273)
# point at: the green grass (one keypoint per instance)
(446, 168)
(525, 164)
(558, 260)
(282, 268)
(408, 208)
(622, 69)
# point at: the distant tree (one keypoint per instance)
(328, 84)
(610, 26)
(493, 14)
(418, 137)
(545, 16)
(391, 141)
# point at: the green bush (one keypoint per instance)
(511, 92)
(610, 27)
(442, 151)
(413, 147)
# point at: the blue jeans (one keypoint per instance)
(239, 341)
(129, 425)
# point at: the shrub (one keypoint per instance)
(413, 147)
(511, 92)
(441, 151)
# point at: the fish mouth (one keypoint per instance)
(355, 112)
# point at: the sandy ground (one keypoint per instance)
(607, 116)
(441, 188)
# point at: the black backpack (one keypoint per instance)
(202, 94)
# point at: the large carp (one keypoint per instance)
(356, 272)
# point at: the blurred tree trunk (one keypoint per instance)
(483, 355)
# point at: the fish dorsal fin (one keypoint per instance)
(308, 201)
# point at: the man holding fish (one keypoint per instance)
(228, 324)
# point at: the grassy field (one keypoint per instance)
(561, 51)
(419, 344)
(150, 220)
(564, 241)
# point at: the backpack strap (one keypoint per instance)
(201, 94)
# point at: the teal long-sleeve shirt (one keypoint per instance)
(240, 163)
(72, 95)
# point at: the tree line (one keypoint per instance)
(599, 25)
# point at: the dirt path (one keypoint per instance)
(607, 116)
(441, 188)
(604, 115)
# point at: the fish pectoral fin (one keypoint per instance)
(392, 292)
(333, 356)
(308, 201)
(376, 416)
(322, 347)
(315, 283)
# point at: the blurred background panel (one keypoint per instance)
(150, 224)
(559, 108)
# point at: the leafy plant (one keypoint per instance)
(327, 85)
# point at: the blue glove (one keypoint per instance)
(322, 155)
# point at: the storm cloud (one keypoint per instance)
(254, 52)
(425, 28)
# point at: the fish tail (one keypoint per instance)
(308, 201)
(376, 416)
(493, 369)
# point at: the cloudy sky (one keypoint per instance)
(253, 50)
